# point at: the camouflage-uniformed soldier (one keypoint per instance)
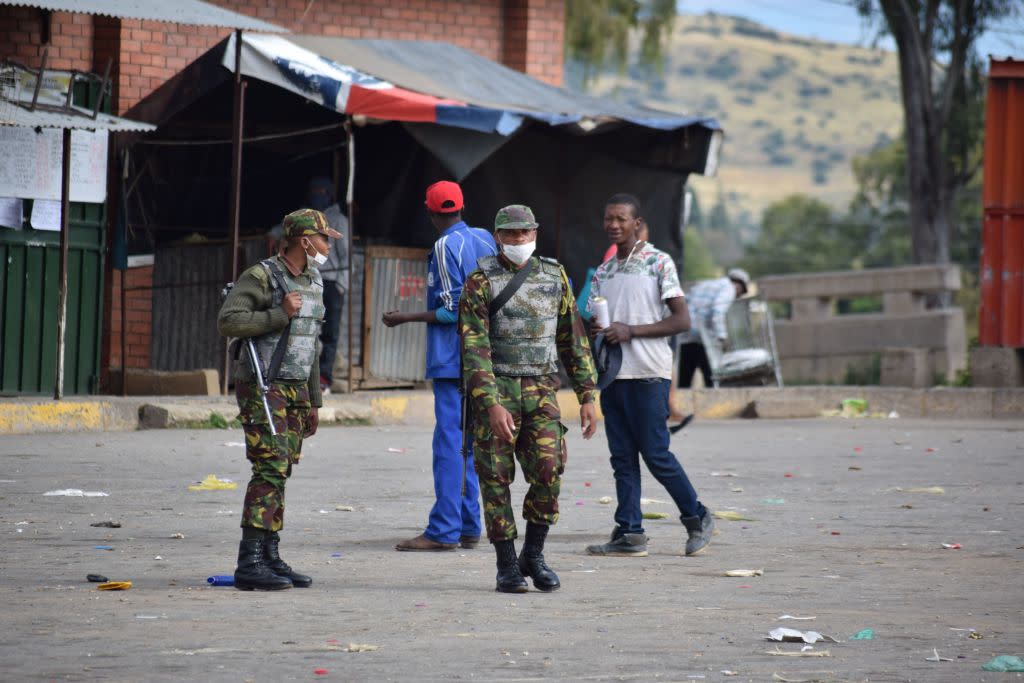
(509, 363)
(282, 295)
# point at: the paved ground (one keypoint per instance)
(846, 546)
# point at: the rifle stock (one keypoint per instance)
(257, 373)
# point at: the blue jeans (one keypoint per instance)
(453, 514)
(635, 414)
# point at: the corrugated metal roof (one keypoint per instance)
(13, 115)
(191, 12)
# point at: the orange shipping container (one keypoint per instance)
(1002, 254)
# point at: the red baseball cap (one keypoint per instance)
(444, 197)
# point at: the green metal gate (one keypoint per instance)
(29, 266)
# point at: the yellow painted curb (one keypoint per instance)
(391, 409)
(63, 416)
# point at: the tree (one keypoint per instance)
(597, 31)
(939, 81)
(800, 234)
(698, 263)
(877, 217)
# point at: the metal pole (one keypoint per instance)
(350, 151)
(62, 296)
(237, 124)
(124, 279)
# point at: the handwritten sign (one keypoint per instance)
(31, 167)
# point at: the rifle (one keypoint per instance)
(257, 374)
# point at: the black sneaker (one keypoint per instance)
(700, 530)
(623, 545)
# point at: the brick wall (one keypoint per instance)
(140, 319)
(523, 34)
(533, 38)
(70, 38)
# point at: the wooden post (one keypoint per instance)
(62, 296)
(237, 124)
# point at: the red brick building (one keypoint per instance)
(526, 35)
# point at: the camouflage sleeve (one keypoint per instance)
(249, 309)
(475, 333)
(574, 348)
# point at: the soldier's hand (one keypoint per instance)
(312, 422)
(588, 419)
(616, 333)
(503, 425)
(292, 303)
(392, 318)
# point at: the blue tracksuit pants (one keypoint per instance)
(453, 514)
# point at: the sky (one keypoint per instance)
(836, 21)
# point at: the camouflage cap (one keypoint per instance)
(308, 222)
(515, 217)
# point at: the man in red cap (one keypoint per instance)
(455, 517)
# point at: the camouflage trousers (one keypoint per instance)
(539, 446)
(272, 457)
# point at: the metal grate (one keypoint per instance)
(396, 280)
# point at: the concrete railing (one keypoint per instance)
(913, 344)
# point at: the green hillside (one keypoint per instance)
(795, 111)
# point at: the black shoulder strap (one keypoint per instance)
(511, 288)
(282, 343)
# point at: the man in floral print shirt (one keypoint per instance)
(645, 305)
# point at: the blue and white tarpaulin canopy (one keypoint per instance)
(426, 82)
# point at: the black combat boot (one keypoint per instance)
(252, 572)
(531, 561)
(280, 567)
(510, 579)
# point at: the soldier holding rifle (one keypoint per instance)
(276, 309)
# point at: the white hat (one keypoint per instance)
(741, 276)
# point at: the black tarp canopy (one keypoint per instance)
(423, 112)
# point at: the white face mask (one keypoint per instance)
(317, 259)
(518, 253)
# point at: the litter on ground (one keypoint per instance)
(212, 483)
(76, 493)
(360, 647)
(744, 573)
(792, 635)
(1004, 663)
(936, 658)
(732, 516)
(798, 653)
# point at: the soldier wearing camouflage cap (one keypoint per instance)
(509, 359)
(278, 303)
